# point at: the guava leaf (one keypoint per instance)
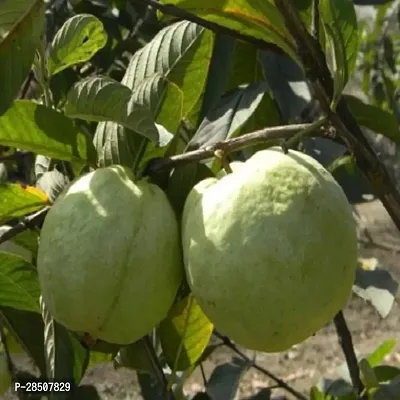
(34, 127)
(181, 53)
(17, 200)
(228, 115)
(287, 83)
(367, 374)
(388, 391)
(340, 23)
(316, 394)
(374, 118)
(267, 112)
(101, 98)
(168, 56)
(19, 284)
(218, 74)
(182, 181)
(66, 358)
(29, 240)
(99, 358)
(259, 18)
(77, 41)
(379, 354)
(339, 387)
(52, 183)
(385, 373)
(21, 24)
(184, 334)
(224, 380)
(134, 357)
(28, 330)
(377, 287)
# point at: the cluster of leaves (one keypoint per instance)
(112, 83)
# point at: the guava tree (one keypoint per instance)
(124, 122)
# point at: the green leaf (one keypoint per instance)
(77, 41)
(340, 22)
(66, 358)
(19, 284)
(103, 99)
(28, 330)
(228, 115)
(34, 127)
(16, 247)
(378, 355)
(258, 18)
(184, 334)
(316, 394)
(368, 374)
(181, 53)
(219, 72)
(374, 118)
(21, 24)
(385, 373)
(377, 287)
(224, 380)
(17, 200)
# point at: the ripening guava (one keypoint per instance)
(109, 258)
(5, 376)
(270, 250)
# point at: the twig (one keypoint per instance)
(282, 384)
(346, 343)
(182, 14)
(156, 366)
(227, 146)
(26, 223)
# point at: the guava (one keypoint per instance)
(270, 250)
(5, 376)
(11, 247)
(109, 259)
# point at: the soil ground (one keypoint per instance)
(320, 355)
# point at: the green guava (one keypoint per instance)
(270, 250)
(109, 258)
(5, 376)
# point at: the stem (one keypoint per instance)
(282, 384)
(227, 146)
(157, 368)
(346, 343)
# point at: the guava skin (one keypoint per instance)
(270, 250)
(109, 258)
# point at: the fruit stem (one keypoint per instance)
(221, 155)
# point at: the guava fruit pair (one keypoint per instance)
(269, 250)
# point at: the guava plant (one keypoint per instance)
(174, 178)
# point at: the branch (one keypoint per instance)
(26, 223)
(185, 15)
(282, 384)
(227, 146)
(346, 343)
